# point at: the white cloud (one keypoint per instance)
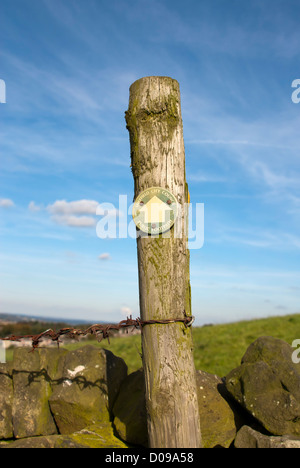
(126, 311)
(74, 213)
(6, 203)
(75, 221)
(104, 256)
(77, 207)
(78, 213)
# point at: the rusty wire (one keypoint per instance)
(101, 331)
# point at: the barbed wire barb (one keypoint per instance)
(101, 331)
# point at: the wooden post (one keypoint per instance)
(158, 160)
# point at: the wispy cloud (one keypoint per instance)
(258, 238)
(64, 143)
(209, 178)
(34, 208)
(273, 179)
(218, 142)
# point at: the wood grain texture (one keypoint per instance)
(158, 160)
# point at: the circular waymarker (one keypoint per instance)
(155, 210)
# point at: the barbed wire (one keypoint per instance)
(101, 331)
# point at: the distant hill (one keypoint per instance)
(7, 317)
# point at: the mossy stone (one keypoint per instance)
(6, 396)
(99, 436)
(267, 385)
(90, 380)
(33, 374)
(217, 418)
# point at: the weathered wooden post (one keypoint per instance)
(158, 160)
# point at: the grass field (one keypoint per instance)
(217, 348)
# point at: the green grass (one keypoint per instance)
(217, 348)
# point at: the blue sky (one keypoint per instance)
(64, 147)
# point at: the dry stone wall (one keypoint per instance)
(84, 398)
